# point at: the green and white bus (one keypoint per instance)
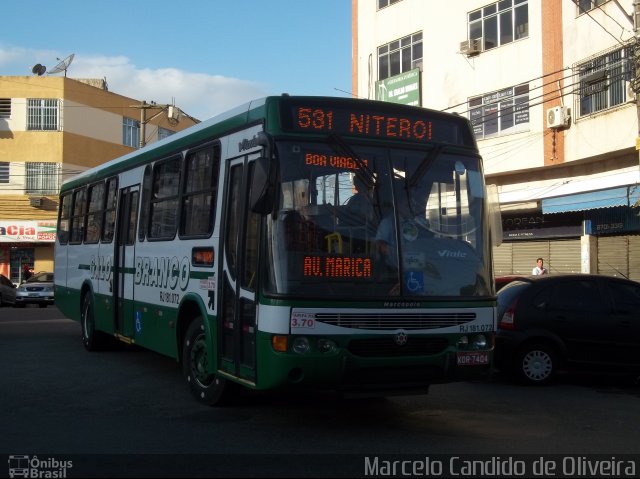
(234, 247)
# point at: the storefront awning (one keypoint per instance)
(621, 196)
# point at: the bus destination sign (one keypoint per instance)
(415, 125)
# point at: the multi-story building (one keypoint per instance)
(550, 88)
(51, 128)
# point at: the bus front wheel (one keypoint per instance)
(91, 339)
(207, 387)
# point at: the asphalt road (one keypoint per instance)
(58, 400)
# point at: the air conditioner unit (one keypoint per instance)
(35, 201)
(558, 117)
(471, 47)
(631, 94)
(173, 113)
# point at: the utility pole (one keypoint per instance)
(173, 115)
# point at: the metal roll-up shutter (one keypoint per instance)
(564, 256)
(502, 263)
(526, 253)
(613, 255)
(634, 258)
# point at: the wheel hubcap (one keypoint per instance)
(537, 365)
(199, 362)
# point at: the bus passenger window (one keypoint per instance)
(78, 216)
(94, 214)
(63, 222)
(109, 216)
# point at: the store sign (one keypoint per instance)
(27, 231)
(403, 88)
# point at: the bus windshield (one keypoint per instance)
(368, 222)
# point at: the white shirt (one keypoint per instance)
(538, 271)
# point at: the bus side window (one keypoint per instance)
(197, 213)
(63, 220)
(144, 208)
(109, 216)
(78, 216)
(94, 213)
(165, 199)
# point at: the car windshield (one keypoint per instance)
(41, 278)
(393, 222)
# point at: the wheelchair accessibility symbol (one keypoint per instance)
(414, 281)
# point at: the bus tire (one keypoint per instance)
(208, 388)
(91, 339)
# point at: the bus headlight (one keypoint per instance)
(326, 346)
(480, 342)
(463, 342)
(301, 345)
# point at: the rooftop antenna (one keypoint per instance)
(38, 69)
(63, 65)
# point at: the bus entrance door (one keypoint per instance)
(237, 332)
(125, 261)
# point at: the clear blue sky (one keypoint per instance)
(208, 55)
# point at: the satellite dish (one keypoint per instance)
(63, 65)
(38, 69)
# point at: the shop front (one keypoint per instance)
(532, 235)
(26, 247)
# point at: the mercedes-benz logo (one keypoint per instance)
(400, 338)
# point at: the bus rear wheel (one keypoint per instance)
(207, 387)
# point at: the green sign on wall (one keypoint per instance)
(403, 88)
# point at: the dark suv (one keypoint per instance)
(546, 323)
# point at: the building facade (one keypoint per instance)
(550, 88)
(52, 128)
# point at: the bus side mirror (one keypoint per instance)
(263, 186)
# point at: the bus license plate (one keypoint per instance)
(472, 358)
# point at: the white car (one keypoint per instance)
(38, 290)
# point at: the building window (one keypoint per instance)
(500, 112)
(42, 178)
(5, 107)
(42, 114)
(604, 80)
(385, 3)
(499, 23)
(130, 132)
(4, 172)
(164, 133)
(586, 5)
(399, 56)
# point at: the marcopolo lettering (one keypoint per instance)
(163, 272)
(248, 144)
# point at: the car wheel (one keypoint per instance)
(208, 388)
(91, 339)
(536, 363)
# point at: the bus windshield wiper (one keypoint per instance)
(424, 166)
(363, 172)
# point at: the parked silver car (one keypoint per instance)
(7, 291)
(38, 289)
